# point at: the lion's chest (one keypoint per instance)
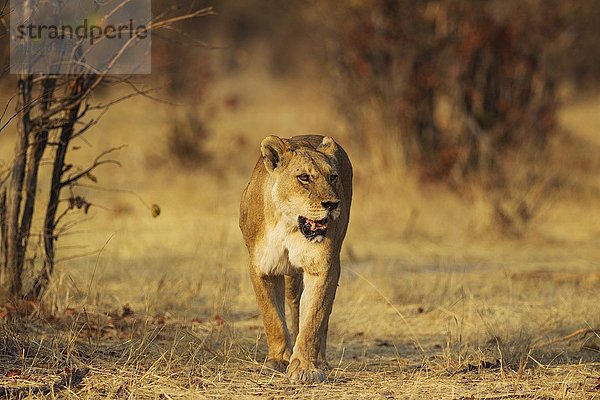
(284, 250)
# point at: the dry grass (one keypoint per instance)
(433, 301)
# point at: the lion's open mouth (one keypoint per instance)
(311, 229)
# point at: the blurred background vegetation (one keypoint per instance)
(450, 89)
(462, 99)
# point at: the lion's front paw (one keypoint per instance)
(276, 365)
(304, 374)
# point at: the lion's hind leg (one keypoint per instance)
(293, 292)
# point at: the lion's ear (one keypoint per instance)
(327, 146)
(274, 152)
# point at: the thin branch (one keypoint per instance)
(189, 38)
(62, 215)
(578, 332)
(169, 21)
(103, 189)
(97, 162)
(6, 107)
(83, 112)
(87, 126)
(106, 106)
(112, 102)
(19, 111)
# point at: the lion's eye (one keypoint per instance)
(333, 178)
(304, 178)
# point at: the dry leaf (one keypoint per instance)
(155, 209)
(70, 311)
(12, 373)
(91, 177)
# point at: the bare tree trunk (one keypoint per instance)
(14, 245)
(79, 87)
(39, 140)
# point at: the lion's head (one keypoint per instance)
(305, 182)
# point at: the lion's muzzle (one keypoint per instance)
(313, 230)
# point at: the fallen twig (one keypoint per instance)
(70, 381)
(578, 332)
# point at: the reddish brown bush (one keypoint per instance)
(454, 85)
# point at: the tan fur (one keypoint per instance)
(284, 264)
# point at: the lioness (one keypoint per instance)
(293, 216)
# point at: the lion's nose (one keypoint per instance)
(330, 205)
